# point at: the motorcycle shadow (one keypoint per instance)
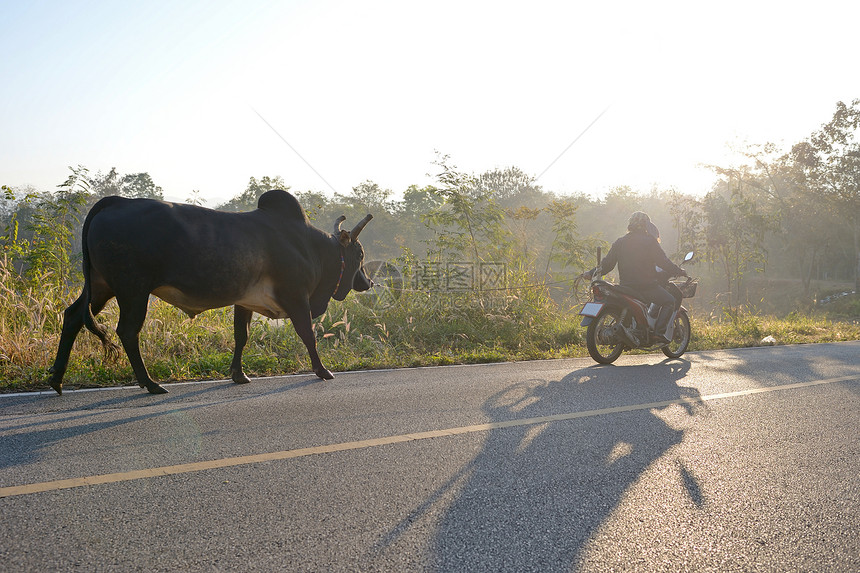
(548, 488)
(659, 381)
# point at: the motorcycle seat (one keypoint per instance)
(627, 291)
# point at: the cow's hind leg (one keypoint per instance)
(241, 324)
(132, 313)
(74, 318)
(73, 321)
(99, 297)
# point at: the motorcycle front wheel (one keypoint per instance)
(602, 345)
(680, 338)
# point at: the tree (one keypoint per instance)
(368, 196)
(620, 203)
(567, 248)
(829, 162)
(12, 242)
(734, 236)
(247, 199)
(520, 223)
(195, 199)
(314, 203)
(105, 185)
(802, 219)
(511, 187)
(469, 223)
(687, 220)
(804, 224)
(140, 185)
(54, 223)
(419, 201)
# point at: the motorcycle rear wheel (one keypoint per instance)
(595, 337)
(680, 338)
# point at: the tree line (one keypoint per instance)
(783, 213)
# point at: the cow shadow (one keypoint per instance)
(35, 434)
(536, 494)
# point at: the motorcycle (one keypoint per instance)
(617, 320)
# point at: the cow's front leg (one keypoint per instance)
(241, 324)
(132, 313)
(300, 315)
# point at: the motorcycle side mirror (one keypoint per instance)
(689, 256)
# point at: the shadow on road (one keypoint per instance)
(788, 364)
(25, 442)
(535, 495)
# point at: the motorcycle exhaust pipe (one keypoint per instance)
(620, 333)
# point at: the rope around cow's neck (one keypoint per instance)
(340, 277)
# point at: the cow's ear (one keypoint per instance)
(344, 238)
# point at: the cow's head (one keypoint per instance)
(353, 276)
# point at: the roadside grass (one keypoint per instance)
(419, 330)
(745, 329)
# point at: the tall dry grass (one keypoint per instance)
(419, 328)
(30, 322)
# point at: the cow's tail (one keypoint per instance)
(111, 349)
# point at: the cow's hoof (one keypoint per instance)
(58, 386)
(155, 388)
(324, 374)
(240, 378)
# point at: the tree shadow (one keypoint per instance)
(535, 494)
(789, 364)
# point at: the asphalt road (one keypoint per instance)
(743, 460)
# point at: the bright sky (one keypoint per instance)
(371, 89)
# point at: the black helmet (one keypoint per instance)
(638, 220)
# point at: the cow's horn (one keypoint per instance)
(337, 223)
(361, 224)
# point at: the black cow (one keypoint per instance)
(270, 260)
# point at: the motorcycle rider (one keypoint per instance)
(638, 254)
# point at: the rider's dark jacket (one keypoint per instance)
(637, 254)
